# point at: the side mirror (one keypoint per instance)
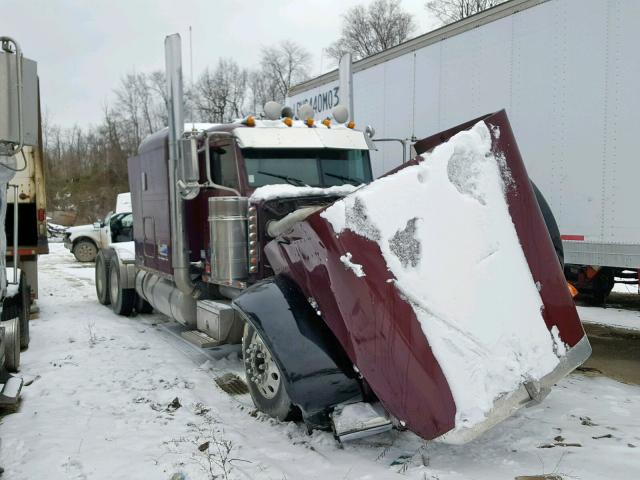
(188, 161)
(188, 167)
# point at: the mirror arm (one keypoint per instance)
(207, 156)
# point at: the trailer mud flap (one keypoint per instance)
(318, 374)
(442, 284)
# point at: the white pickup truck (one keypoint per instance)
(85, 241)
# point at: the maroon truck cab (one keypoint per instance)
(316, 338)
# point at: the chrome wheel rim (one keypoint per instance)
(262, 370)
(113, 287)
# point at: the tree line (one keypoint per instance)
(87, 165)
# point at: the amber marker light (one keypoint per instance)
(351, 125)
(287, 121)
(327, 122)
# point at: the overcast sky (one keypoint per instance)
(84, 47)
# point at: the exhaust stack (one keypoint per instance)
(180, 248)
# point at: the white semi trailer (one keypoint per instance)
(19, 127)
(566, 71)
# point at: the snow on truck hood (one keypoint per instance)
(470, 288)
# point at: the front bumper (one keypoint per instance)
(529, 393)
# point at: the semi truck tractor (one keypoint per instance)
(430, 299)
(565, 72)
(19, 140)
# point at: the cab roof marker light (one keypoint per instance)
(351, 125)
(327, 122)
(249, 121)
(287, 121)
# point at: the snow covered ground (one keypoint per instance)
(101, 405)
(622, 309)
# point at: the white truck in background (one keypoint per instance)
(85, 241)
(566, 72)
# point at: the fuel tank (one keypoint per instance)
(442, 285)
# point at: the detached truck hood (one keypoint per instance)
(442, 285)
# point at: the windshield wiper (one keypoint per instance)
(355, 181)
(293, 181)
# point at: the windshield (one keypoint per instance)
(321, 167)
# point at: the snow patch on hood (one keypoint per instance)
(448, 239)
(271, 192)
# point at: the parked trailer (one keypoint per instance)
(29, 184)
(565, 70)
(238, 238)
(19, 139)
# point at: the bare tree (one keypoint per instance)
(372, 29)
(450, 11)
(219, 94)
(282, 67)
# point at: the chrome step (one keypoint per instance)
(200, 339)
(10, 393)
(358, 420)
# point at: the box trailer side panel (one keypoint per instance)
(564, 70)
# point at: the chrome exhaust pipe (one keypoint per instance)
(180, 250)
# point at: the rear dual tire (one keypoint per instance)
(101, 278)
(109, 287)
(122, 299)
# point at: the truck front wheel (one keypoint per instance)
(85, 251)
(122, 299)
(265, 381)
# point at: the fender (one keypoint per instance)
(126, 262)
(318, 374)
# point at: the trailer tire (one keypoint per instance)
(12, 344)
(85, 250)
(602, 285)
(142, 306)
(269, 395)
(25, 310)
(122, 299)
(102, 278)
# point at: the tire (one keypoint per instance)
(268, 393)
(552, 225)
(12, 344)
(602, 285)
(142, 306)
(85, 251)
(24, 311)
(122, 299)
(102, 279)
